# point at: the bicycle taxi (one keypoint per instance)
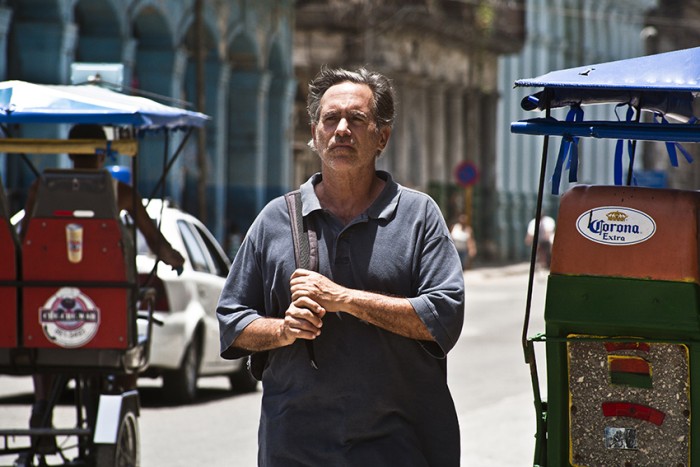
(69, 294)
(622, 307)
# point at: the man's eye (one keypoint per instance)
(359, 118)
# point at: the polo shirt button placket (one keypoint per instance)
(342, 251)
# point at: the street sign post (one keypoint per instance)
(467, 174)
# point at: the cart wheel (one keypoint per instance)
(180, 386)
(126, 451)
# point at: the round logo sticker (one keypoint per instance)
(69, 318)
(615, 225)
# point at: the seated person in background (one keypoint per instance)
(127, 198)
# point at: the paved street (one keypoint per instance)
(489, 380)
(487, 372)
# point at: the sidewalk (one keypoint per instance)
(485, 272)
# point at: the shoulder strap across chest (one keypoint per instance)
(305, 241)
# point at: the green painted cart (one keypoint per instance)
(622, 310)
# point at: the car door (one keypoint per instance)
(210, 268)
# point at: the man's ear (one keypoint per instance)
(384, 135)
(312, 141)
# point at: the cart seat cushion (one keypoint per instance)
(86, 192)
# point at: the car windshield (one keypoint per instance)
(204, 253)
(141, 245)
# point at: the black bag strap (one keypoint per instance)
(305, 248)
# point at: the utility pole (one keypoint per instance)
(200, 103)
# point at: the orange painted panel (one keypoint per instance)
(630, 232)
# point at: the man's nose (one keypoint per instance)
(343, 128)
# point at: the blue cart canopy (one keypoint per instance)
(23, 102)
(666, 83)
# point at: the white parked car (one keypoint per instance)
(186, 345)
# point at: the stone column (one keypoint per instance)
(455, 129)
(161, 71)
(395, 157)
(5, 17)
(437, 134)
(217, 77)
(436, 156)
(247, 160)
(43, 52)
(279, 150)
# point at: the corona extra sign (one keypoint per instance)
(615, 225)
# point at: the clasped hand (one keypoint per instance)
(312, 296)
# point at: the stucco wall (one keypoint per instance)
(247, 82)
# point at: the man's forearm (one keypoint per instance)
(395, 314)
(261, 334)
(392, 313)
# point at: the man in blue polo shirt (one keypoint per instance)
(383, 310)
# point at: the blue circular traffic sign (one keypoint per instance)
(466, 173)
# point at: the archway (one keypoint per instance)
(280, 104)
(247, 112)
(158, 71)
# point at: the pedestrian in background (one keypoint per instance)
(545, 239)
(463, 237)
(383, 310)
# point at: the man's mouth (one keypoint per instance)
(342, 144)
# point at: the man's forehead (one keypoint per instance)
(347, 94)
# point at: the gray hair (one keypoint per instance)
(382, 92)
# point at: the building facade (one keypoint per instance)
(674, 25)
(230, 59)
(442, 56)
(560, 34)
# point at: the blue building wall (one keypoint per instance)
(560, 34)
(248, 89)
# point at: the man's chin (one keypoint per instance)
(341, 154)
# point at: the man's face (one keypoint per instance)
(347, 135)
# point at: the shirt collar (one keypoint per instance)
(382, 208)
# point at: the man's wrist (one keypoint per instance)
(263, 334)
(281, 335)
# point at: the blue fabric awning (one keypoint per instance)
(666, 83)
(23, 102)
